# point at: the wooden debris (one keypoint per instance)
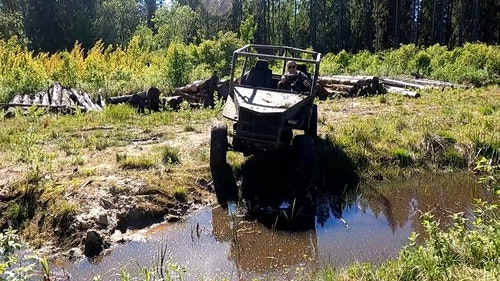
(401, 84)
(352, 86)
(149, 99)
(200, 93)
(349, 86)
(57, 98)
(402, 91)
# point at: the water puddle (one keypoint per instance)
(364, 224)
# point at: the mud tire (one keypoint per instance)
(222, 174)
(304, 154)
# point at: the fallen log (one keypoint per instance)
(347, 80)
(351, 86)
(343, 88)
(196, 100)
(66, 98)
(223, 89)
(37, 99)
(173, 102)
(437, 84)
(22, 105)
(45, 99)
(321, 92)
(190, 88)
(402, 91)
(92, 105)
(400, 84)
(79, 99)
(56, 97)
(118, 99)
(209, 84)
(17, 99)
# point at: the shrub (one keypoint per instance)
(178, 65)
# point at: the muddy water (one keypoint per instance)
(365, 224)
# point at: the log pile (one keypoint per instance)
(149, 99)
(348, 86)
(353, 86)
(56, 99)
(198, 94)
(201, 94)
(409, 87)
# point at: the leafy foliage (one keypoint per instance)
(178, 64)
(475, 64)
(175, 24)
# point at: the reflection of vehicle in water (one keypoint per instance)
(256, 249)
(278, 229)
(273, 196)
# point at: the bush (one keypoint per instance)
(140, 65)
(178, 65)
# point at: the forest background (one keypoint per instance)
(128, 45)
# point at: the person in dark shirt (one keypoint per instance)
(294, 79)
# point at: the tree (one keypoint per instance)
(178, 65)
(117, 21)
(247, 29)
(177, 23)
(380, 17)
(361, 25)
(149, 7)
(11, 24)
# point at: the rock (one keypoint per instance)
(107, 204)
(103, 221)
(93, 244)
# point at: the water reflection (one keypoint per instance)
(274, 196)
(348, 223)
(256, 251)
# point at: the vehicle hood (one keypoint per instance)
(263, 101)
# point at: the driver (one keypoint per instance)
(293, 79)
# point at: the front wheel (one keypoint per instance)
(222, 175)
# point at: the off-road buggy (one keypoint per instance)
(266, 119)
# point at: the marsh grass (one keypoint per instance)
(441, 130)
(51, 154)
(180, 193)
(141, 162)
(170, 155)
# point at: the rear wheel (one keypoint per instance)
(222, 175)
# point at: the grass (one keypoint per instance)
(440, 130)
(140, 162)
(49, 156)
(52, 156)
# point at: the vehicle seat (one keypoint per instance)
(303, 68)
(260, 75)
